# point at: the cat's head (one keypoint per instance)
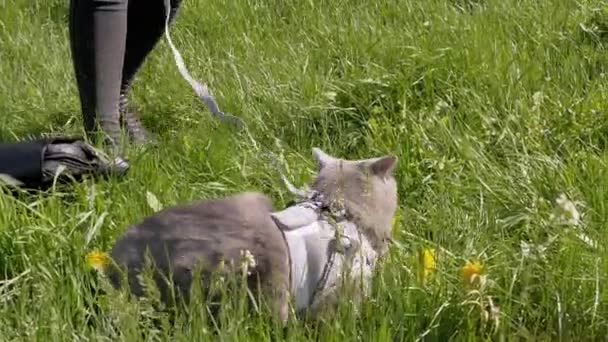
(366, 188)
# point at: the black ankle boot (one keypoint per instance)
(129, 119)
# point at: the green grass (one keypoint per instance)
(494, 107)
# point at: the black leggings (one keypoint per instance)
(110, 40)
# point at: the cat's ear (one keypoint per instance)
(383, 166)
(321, 157)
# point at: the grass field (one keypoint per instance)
(495, 108)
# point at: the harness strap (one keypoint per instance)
(331, 260)
(324, 276)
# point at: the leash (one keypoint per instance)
(201, 89)
(204, 94)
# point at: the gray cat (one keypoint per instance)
(292, 253)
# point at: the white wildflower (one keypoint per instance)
(248, 261)
(532, 251)
(569, 215)
(567, 211)
(441, 107)
(526, 249)
(537, 99)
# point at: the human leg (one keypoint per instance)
(98, 34)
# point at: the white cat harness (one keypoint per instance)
(325, 248)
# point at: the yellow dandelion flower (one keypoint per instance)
(472, 271)
(428, 261)
(98, 260)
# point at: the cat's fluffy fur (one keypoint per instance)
(181, 237)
